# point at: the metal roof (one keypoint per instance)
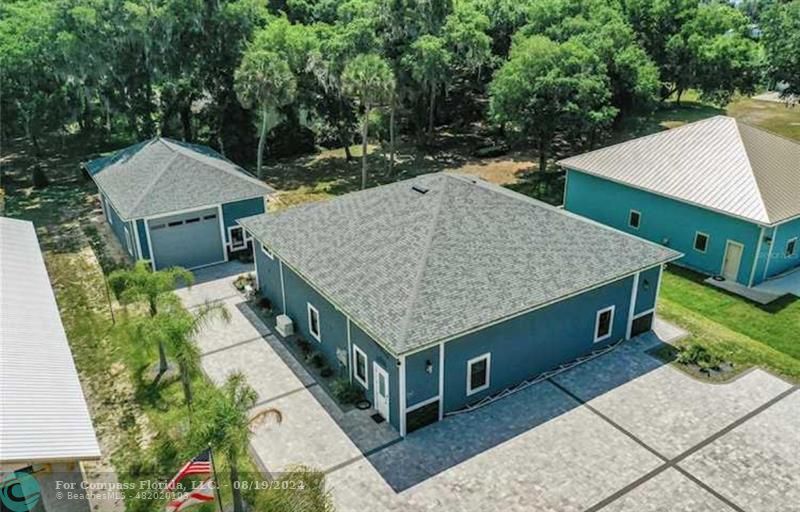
(160, 176)
(43, 414)
(718, 163)
(426, 259)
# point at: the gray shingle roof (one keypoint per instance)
(43, 414)
(161, 176)
(718, 163)
(412, 269)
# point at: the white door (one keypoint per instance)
(380, 390)
(733, 258)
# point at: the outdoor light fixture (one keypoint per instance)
(768, 240)
(428, 366)
(646, 284)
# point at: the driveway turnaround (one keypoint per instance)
(622, 432)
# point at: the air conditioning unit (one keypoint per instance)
(284, 325)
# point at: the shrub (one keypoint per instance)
(317, 359)
(326, 371)
(346, 392)
(265, 303)
(304, 345)
(698, 355)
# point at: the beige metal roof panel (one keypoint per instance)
(43, 414)
(717, 163)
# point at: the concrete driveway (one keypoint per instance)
(620, 433)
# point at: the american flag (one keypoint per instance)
(204, 493)
(200, 465)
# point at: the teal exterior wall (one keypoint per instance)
(240, 209)
(421, 385)
(142, 230)
(648, 288)
(779, 262)
(664, 219)
(118, 228)
(535, 342)
(333, 326)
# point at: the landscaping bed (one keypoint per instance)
(334, 380)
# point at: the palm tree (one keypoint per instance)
(141, 284)
(229, 424)
(176, 328)
(369, 79)
(264, 81)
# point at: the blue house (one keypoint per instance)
(176, 204)
(440, 291)
(725, 194)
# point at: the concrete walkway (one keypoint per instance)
(621, 433)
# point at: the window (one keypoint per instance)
(313, 322)
(237, 238)
(192, 221)
(210, 217)
(360, 366)
(603, 324)
(128, 241)
(478, 373)
(175, 223)
(791, 247)
(634, 219)
(154, 227)
(267, 252)
(700, 242)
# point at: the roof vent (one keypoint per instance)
(420, 189)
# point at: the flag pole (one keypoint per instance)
(216, 480)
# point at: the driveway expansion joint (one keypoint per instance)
(673, 463)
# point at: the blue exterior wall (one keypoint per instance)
(421, 385)
(140, 227)
(663, 218)
(648, 288)
(118, 228)
(779, 262)
(333, 325)
(532, 343)
(240, 209)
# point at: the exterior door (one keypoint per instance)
(380, 390)
(733, 258)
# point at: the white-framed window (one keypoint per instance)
(478, 373)
(634, 219)
(791, 247)
(701, 241)
(604, 324)
(360, 366)
(128, 241)
(267, 252)
(313, 322)
(237, 237)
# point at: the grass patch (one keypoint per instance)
(731, 328)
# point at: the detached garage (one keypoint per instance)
(176, 204)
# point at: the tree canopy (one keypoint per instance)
(230, 72)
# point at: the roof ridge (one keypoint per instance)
(423, 263)
(764, 209)
(497, 189)
(649, 136)
(152, 184)
(214, 162)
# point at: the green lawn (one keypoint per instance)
(734, 328)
